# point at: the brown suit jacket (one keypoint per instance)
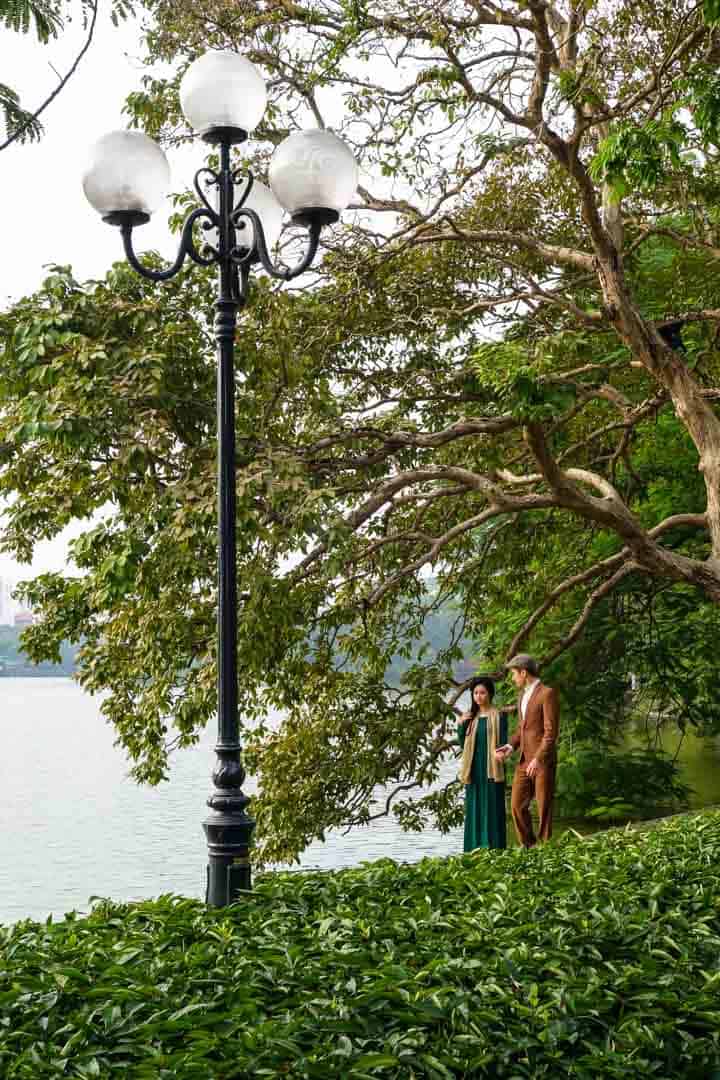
(537, 734)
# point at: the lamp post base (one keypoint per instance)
(228, 871)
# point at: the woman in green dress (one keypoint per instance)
(480, 732)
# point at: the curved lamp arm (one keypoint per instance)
(261, 252)
(187, 246)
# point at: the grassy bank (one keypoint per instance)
(582, 959)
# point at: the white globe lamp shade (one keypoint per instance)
(314, 175)
(270, 212)
(126, 177)
(222, 91)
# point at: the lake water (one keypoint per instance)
(74, 825)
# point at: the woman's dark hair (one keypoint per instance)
(489, 685)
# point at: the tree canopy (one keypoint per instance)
(497, 394)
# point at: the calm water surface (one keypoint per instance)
(74, 825)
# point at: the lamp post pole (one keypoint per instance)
(314, 176)
(229, 828)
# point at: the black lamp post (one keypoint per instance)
(314, 176)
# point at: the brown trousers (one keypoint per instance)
(524, 790)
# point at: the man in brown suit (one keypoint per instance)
(536, 738)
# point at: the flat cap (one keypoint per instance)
(525, 662)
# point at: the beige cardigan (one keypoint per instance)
(495, 768)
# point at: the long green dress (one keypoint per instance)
(485, 824)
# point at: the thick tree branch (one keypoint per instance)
(612, 513)
(609, 565)
(551, 254)
(592, 602)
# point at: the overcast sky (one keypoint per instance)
(46, 218)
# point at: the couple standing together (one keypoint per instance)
(483, 737)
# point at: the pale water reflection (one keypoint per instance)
(75, 825)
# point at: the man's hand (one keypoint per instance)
(503, 752)
(532, 768)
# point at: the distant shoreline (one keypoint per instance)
(16, 664)
(29, 674)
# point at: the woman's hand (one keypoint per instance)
(465, 717)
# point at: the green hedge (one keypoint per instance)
(612, 785)
(593, 959)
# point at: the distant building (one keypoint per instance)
(23, 619)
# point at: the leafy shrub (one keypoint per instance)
(582, 959)
(595, 782)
